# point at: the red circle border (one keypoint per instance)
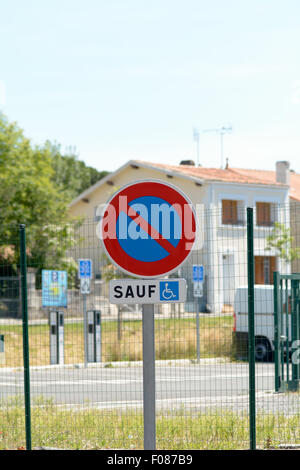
(153, 268)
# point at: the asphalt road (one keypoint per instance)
(185, 386)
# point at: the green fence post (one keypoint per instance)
(276, 330)
(25, 335)
(251, 329)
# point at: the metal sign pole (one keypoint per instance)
(251, 328)
(198, 278)
(149, 377)
(198, 330)
(85, 330)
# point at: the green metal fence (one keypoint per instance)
(71, 376)
(287, 331)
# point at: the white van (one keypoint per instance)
(264, 322)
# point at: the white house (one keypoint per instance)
(223, 195)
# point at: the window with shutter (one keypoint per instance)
(264, 214)
(232, 212)
(264, 269)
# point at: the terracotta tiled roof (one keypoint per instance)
(295, 186)
(270, 177)
(234, 175)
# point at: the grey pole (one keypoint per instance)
(23, 269)
(251, 328)
(85, 331)
(198, 329)
(149, 377)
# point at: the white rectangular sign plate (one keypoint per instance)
(85, 285)
(144, 291)
(198, 288)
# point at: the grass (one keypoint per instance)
(54, 427)
(174, 339)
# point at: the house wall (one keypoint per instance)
(131, 175)
(228, 245)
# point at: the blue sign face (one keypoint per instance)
(85, 269)
(168, 290)
(198, 273)
(54, 288)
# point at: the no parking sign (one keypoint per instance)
(148, 228)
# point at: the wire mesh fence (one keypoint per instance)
(85, 354)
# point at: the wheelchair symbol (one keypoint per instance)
(169, 291)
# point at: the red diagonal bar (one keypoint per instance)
(151, 231)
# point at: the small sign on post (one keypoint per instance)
(85, 286)
(54, 288)
(198, 278)
(85, 276)
(55, 294)
(85, 269)
(198, 289)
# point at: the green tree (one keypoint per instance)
(29, 195)
(282, 241)
(71, 175)
(36, 185)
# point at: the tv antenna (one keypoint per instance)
(221, 131)
(196, 135)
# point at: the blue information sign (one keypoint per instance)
(198, 273)
(54, 288)
(85, 269)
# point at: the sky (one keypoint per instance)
(132, 79)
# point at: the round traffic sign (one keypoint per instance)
(148, 228)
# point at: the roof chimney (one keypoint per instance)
(187, 162)
(283, 172)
